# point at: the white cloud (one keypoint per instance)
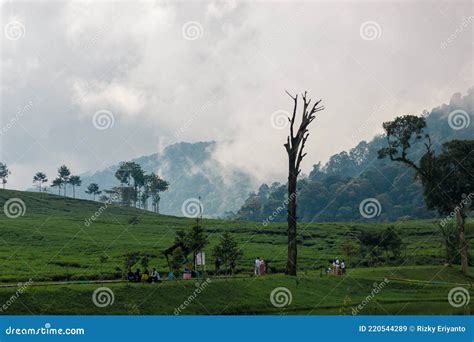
(93, 96)
(131, 58)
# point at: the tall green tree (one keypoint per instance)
(197, 240)
(227, 251)
(294, 146)
(181, 239)
(131, 178)
(93, 189)
(39, 178)
(4, 173)
(138, 176)
(447, 180)
(64, 173)
(144, 196)
(74, 181)
(156, 185)
(123, 173)
(57, 183)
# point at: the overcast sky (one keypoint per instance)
(89, 85)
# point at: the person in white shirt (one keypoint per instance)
(257, 266)
(343, 267)
(155, 276)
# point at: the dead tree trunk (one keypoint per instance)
(294, 148)
(463, 248)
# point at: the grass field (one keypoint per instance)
(51, 243)
(311, 294)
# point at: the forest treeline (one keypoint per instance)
(334, 191)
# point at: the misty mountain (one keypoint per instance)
(192, 172)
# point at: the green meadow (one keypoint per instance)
(68, 259)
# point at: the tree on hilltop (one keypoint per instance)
(4, 173)
(39, 178)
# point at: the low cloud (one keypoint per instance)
(135, 60)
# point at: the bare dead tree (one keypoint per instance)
(294, 147)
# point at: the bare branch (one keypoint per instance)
(287, 145)
(301, 155)
(293, 116)
(293, 97)
(405, 160)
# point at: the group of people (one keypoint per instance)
(145, 277)
(336, 267)
(260, 267)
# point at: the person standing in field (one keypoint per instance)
(262, 267)
(343, 267)
(257, 266)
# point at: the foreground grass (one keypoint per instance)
(311, 294)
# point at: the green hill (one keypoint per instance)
(52, 243)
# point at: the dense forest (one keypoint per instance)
(334, 191)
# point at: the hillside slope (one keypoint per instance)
(51, 241)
